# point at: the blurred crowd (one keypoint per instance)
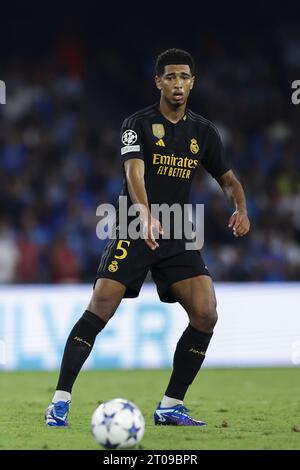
(59, 158)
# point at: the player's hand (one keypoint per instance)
(151, 229)
(239, 223)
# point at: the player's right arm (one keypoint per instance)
(132, 155)
(135, 171)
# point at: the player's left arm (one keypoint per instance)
(233, 190)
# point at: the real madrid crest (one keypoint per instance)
(194, 147)
(113, 267)
(158, 130)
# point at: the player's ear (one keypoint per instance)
(192, 82)
(158, 81)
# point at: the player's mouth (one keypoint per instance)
(177, 95)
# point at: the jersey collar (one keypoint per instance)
(181, 121)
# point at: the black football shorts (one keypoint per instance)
(129, 261)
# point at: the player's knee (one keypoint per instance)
(205, 318)
(212, 317)
(102, 304)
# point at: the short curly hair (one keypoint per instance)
(174, 56)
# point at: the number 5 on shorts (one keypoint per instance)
(123, 250)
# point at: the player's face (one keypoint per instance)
(175, 84)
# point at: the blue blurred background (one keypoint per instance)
(74, 72)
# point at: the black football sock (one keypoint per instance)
(78, 347)
(188, 358)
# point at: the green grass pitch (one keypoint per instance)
(244, 409)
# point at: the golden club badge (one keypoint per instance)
(113, 267)
(194, 147)
(158, 130)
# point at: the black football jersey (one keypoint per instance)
(172, 153)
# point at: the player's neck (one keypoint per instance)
(173, 114)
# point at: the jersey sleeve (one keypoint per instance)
(131, 140)
(214, 160)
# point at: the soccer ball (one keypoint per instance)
(117, 424)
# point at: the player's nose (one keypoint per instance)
(178, 85)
